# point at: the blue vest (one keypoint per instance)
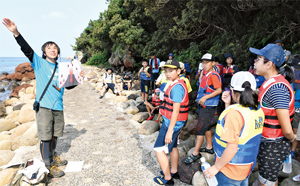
(143, 75)
(249, 138)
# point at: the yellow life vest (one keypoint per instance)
(164, 83)
(249, 138)
(187, 82)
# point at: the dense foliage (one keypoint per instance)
(190, 28)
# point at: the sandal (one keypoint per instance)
(175, 175)
(192, 158)
(210, 151)
(161, 181)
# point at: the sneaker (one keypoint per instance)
(296, 178)
(100, 97)
(151, 117)
(293, 154)
(56, 172)
(175, 175)
(58, 162)
(161, 181)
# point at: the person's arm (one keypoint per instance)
(284, 120)
(175, 113)
(104, 79)
(148, 72)
(25, 48)
(114, 79)
(226, 157)
(198, 74)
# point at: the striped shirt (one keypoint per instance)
(277, 97)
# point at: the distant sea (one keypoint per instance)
(8, 64)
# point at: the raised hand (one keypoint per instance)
(11, 26)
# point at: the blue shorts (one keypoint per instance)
(225, 181)
(145, 84)
(160, 141)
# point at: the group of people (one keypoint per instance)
(258, 123)
(260, 107)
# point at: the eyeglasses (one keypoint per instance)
(265, 60)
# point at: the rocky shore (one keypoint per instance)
(111, 135)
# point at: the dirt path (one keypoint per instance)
(101, 136)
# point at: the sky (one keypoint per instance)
(40, 21)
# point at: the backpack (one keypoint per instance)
(21, 180)
(110, 75)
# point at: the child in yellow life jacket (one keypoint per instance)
(182, 76)
(174, 110)
(154, 107)
(238, 133)
(208, 99)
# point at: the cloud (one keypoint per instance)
(54, 15)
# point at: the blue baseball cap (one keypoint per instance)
(273, 52)
(171, 55)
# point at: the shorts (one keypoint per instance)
(159, 145)
(145, 84)
(49, 123)
(296, 119)
(110, 86)
(270, 158)
(154, 76)
(205, 117)
(223, 180)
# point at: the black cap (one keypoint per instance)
(109, 68)
(152, 54)
(278, 41)
(172, 63)
(296, 62)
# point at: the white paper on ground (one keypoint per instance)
(74, 166)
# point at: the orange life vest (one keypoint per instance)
(166, 109)
(155, 101)
(228, 69)
(272, 128)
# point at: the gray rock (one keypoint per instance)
(132, 103)
(18, 106)
(140, 117)
(3, 74)
(289, 182)
(4, 83)
(253, 177)
(123, 105)
(2, 89)
(210, 158)
(12, 85)
(149, 127)
(139, 99)
(132, 110)
(132, 96)
(188, 144)
(199, 179)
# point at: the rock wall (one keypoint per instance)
(21, 71)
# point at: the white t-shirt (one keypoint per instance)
(109, 78)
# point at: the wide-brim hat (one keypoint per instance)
(172, 63)
(272, 52)
(109, 68)
(239, 78)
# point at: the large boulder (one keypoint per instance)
(132, 96)
(30, 90)
(32, 131)
(15, 92)
(23, 141)
(189, 130)
(142, 108)
(4, 137)
(11, 101)
(149, 127)
(6, 125)
(132, 110)
(123, 105)
(27, 97)
(13, 85)
(199, 179)
(128, 61)
(21, 71)
(6, 175)
(6, 145)
(26, 115)
(9, 110)
(18, 106)
(186, 172)
(20, 130)
(13, 117)
(121, 99)
(6, 156)
(295, 170)
(109, 95)
(140, 117)
(289, 182)
(210, 158)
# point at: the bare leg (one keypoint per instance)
(148, 109)
(198, 145)
(164, 164)
(146, 96)
(295, 142)
(129, 86)
(143, 96)
(103, 90)
(208, 137)
(174, 155)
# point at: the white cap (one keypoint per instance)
(202, 159)
(162, 64)
(181, 65)
(207, 57)
(200, 66)
(239, 78)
